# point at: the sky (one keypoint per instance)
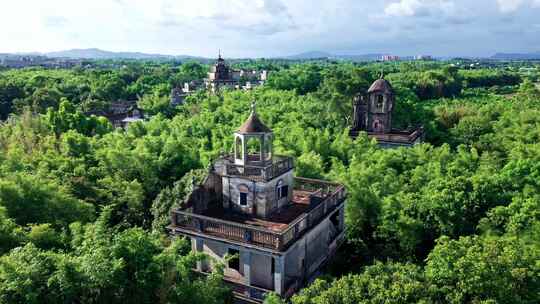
(268, 28)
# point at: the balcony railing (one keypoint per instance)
(279, 166)
(327, 196)
(248, 292)
(240, 289)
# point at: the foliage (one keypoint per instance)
(454, 220)
(132, 266)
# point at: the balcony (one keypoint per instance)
(258, 171)
(405, 137)
(312, 201)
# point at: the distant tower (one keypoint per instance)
(373, 112)
(221, 69)
(373, 115)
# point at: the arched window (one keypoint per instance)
(282, 190)
(268, 148)
(243, 195)
(239, 148)
(380, 101)
(377, 126)
(253, 146)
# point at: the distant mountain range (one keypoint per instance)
(94, 53)
(309, 55)
(319, 54)
(516, 56)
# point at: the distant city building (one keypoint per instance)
(373, 115)
(22, 61)
(423, 57)
(389, 58)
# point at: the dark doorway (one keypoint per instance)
(234, 261)
(243, 199)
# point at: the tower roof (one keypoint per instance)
(220, 59)
(379, 85)
(253, 124)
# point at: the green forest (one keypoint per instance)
(84, 206)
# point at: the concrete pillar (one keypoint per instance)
(342, 218)
(244, 149)
(245, 261)
(279, 275)
(198, 248)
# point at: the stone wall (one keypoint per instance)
(261, 200)
(208, 192)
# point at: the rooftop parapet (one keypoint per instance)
(313, 200)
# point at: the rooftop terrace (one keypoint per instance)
(312, 200)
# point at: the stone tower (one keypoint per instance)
(373, 111)
(271, 230)
(373, 115)
(221, 70)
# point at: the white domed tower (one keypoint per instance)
(271, 230)
(253, 142)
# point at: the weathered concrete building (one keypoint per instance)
(177, 97)
(121, 113)
(221, 75)
(279, 228)
(373, 115)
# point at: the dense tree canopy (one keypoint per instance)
(84, 206)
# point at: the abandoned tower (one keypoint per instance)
(373, 115)
(281, 229)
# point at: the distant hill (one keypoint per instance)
(363, 57)
(319, 55)
(516, 56)
(310, 55)
(94, 53)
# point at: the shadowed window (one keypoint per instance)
(243, 199)
(239, 148)
(281, 190)
(380, 102)
(234, 262)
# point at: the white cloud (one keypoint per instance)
(263, 17)
(409, 8)
(510, 6)
(268, 27)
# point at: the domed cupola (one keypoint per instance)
(253, 141)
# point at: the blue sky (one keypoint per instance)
(258, 28)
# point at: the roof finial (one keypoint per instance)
(382, 74)
(219, 53)
(253, 107)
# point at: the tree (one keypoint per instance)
(31, 199)
(476, 270)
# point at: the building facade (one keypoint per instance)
(372, 113)
(279, 229)
(390, 58)
(221, 75)
(121, 113)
